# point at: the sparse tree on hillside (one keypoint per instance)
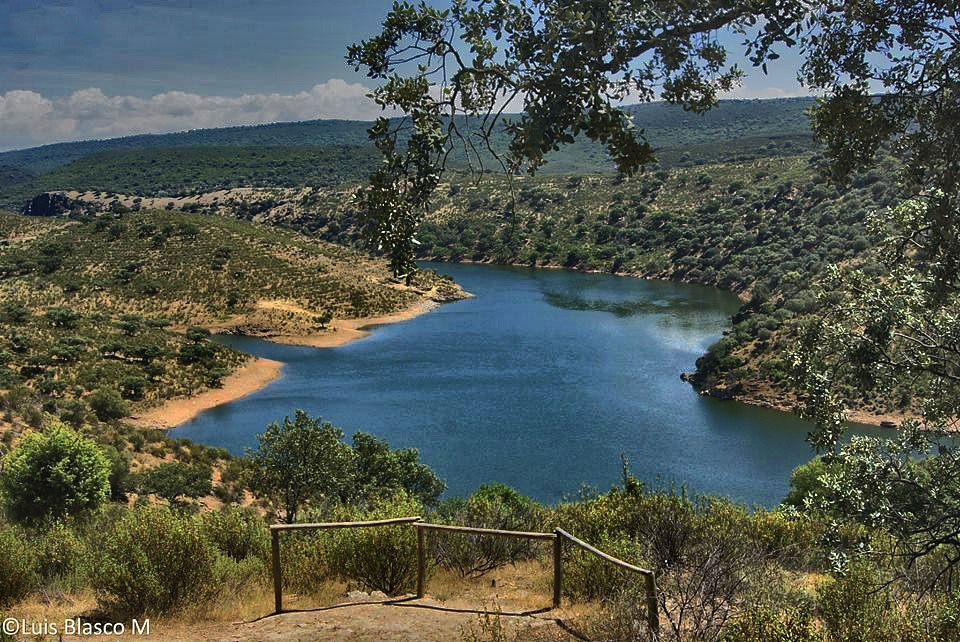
(172, 481)
(301, 460)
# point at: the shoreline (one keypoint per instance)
(258, 372)
(344, 331)
(253, 375)
(854, 415)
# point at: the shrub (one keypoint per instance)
(587, 576)
(237, 533)
(788, 536)
(766, 624)
(107, 404)
(382, 558)
(854, 609)
(54, 473)
(155, 561)
(172, 480)
(16, 567)
(491, 506)
(304, 559)
(805, 484)
(60, 557)
(234, 577)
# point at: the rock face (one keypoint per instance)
(48, 204)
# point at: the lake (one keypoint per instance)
(540, 382)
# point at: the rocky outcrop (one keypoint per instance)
(49, 204)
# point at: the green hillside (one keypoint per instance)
(10, 175)
(764, 228)
(173, 171)
(665, 125)
(328, 153)
(102, 303)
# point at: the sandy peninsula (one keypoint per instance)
(250, 377)
(257, 373)
(344, 331)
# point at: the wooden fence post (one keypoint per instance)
(653, 617)
(277, 576)
(557, 568)
(421, 561)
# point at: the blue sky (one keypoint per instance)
(73, 69)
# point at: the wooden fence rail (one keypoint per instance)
(422, 550)
(649, 577)
(276, 529)
(558, 537)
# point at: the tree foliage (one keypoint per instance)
(54, 473)
(305, 460)
(889, 70)
(565, 65)
(301, 459)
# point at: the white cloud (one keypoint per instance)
(766, 92)
(29, 118)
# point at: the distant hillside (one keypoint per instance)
(10, 175)
(735, 131)
(175, 171)
(316, 132)
(665, 125)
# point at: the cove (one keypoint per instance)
(541, 381)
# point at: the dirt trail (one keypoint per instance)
(403, 620)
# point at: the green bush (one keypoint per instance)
(805, 483)
(172, 481)
(234, 578)
(16, 567)
(586, 576)
(380, 559)
(107, 404)
(491, 506)
(155, 561)
(856, 608)
(787, 536)
(766, 624)
(304, 560)
(237, 533)
(935, 618)
(55, 473)
(61, 557)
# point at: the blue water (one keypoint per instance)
(520, 386)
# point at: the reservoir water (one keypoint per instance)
(541, 381)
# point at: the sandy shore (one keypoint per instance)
(257, 373)
(250, 377)
(343, 331)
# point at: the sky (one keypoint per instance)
(77, 69)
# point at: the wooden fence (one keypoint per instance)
(559, 536)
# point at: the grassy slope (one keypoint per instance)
(187, 170)
(763, 228)
(128, 281)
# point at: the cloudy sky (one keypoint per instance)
(75, 69)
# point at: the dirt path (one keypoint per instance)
(403, 620)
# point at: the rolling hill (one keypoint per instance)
(326, 153)
(103, 302)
